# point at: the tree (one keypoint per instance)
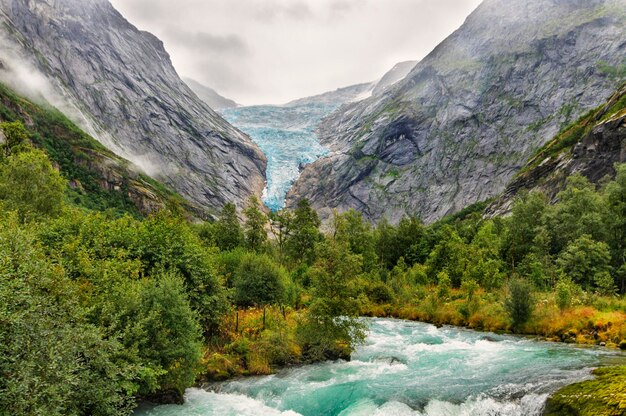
(304, 234)
(52, 360)
(31, 186)
(227, 230)
(615, 201)
(528, 214)
(281, 227)
(259, 281)
(332, 328)
(580, 211)
(583, 259)
(450, 254)
(255, 233)
(16, 138)
(519, 302)
(352, 228)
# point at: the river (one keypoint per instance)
(408, 368)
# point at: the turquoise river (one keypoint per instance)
(408, 368)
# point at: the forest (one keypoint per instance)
(101, 308)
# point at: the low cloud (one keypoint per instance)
(272, 51)
(209, 43)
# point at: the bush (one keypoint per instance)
(380, 293)
(519, 302)
(564, 292)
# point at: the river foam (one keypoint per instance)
(408, 368)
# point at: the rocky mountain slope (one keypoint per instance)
(394, 75)
(97, 178)
(471, 113)
(209, 95)
(359, 92)
(591, 146)
(122, 81)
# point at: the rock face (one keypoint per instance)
(337, 97)
(601, 144)
(394, 75)
(359, 92)
(123, 82)
(211, 97)
(470, 114)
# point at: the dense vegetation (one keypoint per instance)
(99, 308)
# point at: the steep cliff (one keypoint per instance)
(471, 113)
(122, 81)
(97, 178)
(591, 147)
(211, 97)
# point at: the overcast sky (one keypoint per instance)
(273, 51)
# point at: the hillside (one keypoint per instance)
(470, 114)
(591, 146)
(123, 86)
(98, 179)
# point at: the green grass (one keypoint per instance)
(603, 396)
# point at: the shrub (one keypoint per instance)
(519, 303)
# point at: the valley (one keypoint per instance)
(447, 239)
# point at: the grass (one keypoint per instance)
(592, 320)
(603, 396)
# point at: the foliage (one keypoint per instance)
(254, 227)
(258, 281)
(31, 186)
(519, 302)
(227, 231)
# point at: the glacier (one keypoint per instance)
(286, 134)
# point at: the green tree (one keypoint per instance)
(52, 360)
(583, 259)
(615, 200)
(16, 137)
(227, 229)
(521, 227)
(254, 227)
(450, 254)
(580, 211)
(519, 302)
(332, 328)
(259, 281)
(304, 234)
(31, 186)
(352, 228)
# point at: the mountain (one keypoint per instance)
(394, 75)
(97, 178)
(359, 92)
(127, 91)
(591, 147)
(337, 97)
(470, 114)
(209, 95)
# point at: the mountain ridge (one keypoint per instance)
(470, 114)
(123, 81)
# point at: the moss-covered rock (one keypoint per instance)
(603, 396)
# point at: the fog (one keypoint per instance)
(273, 51)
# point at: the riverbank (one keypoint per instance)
(592, 320)
(247, 347)
(404, 366)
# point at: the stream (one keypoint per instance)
(409, 368)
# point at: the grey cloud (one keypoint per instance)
(225, 44)
(272, 10)
(260, 51)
